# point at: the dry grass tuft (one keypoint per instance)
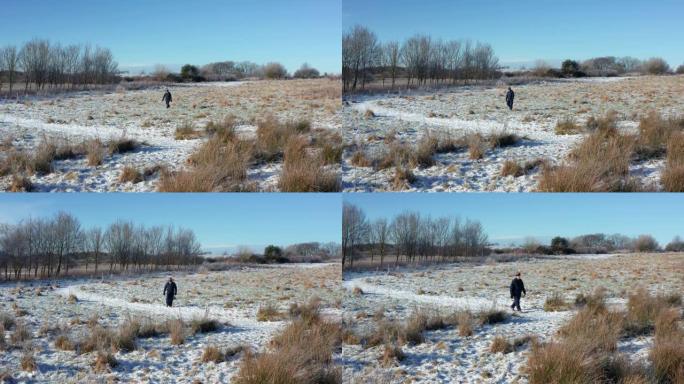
(130, 175)
(465, 324)
(567, 126)
(28, 362)
(122, 145)
(20, 183)
(556, 363)
(673, 175)
(305, 172)
(104, 362)
(212, 354)
(72, 299)
(555, 303)
(269, 312)
(300, 353)
(176, 329)
(503, 139)
(391, 355)
(204, 325)
(64, 343)
(186, 131)
(500, 345)
(21, 333)
(476, 147)
(95, 152)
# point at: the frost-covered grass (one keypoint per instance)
(122, 329)
(498, 351)
(169, 136)
(540, 118)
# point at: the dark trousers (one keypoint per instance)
(169, 301)
(167, 105)
(516, 303)
(510, 105)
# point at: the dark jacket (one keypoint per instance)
(167, 96)
(509, 97)
(170, 289)
(517, 287)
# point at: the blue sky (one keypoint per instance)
(510, 217)
(142, 33)
(221, 220)
(526, 30)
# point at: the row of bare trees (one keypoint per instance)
(409, 236)
(420, 59)
(40, 63)
(50, 247)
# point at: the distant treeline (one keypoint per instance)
(232, 71)
(606, 66)
(311, 252)
(50, 247)
(412, 238)
(40, 64)
(596, 243)
(420, 59)
(409, 237)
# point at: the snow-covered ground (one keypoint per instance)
(231, 297)
(141, 115)
(445, 356)
(458, 112)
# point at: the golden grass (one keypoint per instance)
(305, 172)
(300, 353)
(673, 175)
(130, 175)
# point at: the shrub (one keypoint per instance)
(130, 175)
(656, 66)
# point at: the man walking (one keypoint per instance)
(509, 98)
(167, 98)
(170, 290)
(517, 288)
